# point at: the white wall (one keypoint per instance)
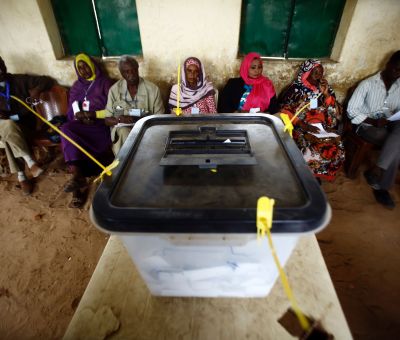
(208, 29)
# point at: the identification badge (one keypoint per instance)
(75, 107)
(135, 112)
(254, 110)
(85, 105)
(194, 110)
(14, 117)
(313, 103)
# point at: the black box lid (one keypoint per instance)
(151, 193)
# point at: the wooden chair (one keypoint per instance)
(52, 103)
(357, 149)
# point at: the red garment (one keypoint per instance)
(263, 89)
(206, 105)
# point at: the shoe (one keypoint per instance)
(75, 184)
(78, 199)
(26, 187)
(372, 180)
(383, 197)
(36, 171)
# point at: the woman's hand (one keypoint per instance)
(309, 127)
(323, 86)
(86, 117)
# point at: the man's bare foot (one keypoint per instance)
(36, 171)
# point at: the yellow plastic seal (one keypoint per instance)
(288, 124)
(178, 110)
(265, 207)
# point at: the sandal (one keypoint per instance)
(75, 184)
(26, 187)
(78, 199)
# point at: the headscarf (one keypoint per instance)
(303, 84)
(95, 90)
(262, 90)
(189, 96)
(87, 60)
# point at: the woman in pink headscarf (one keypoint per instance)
(196, 93)
(251, 92)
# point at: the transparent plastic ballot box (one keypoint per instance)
(183, 200)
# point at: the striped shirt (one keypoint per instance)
(372, 100)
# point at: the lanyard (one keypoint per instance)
(7, 95)
(133, 101)
(86, 91)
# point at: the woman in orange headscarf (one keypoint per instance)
(324, 156)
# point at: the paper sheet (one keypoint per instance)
(394, 117)
(322, 132)
(124, 124)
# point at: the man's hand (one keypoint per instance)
(111, 121)
(128, 119)
(381, 122)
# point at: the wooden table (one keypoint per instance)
(117, 304)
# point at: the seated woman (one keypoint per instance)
(87, 95)
(252, 91)
(323, 156)
(197, 94)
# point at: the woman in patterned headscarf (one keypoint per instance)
(251, 91)
(324, 156)
(196, 93)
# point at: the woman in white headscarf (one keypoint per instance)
(196, 93)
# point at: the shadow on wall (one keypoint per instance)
(27, 62)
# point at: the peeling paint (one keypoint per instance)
(208, 30)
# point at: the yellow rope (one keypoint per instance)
(265, 208)
(289, 122)
(178, 110)
(106, 169)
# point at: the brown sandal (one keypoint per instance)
(26, 187)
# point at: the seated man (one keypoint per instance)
(16, 121)
(129, 99)
(373, 102)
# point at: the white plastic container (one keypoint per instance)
(184, 201)
(221, 266)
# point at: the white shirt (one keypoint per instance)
(372, 100)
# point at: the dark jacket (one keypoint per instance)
(20, 85)
(230, 95)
